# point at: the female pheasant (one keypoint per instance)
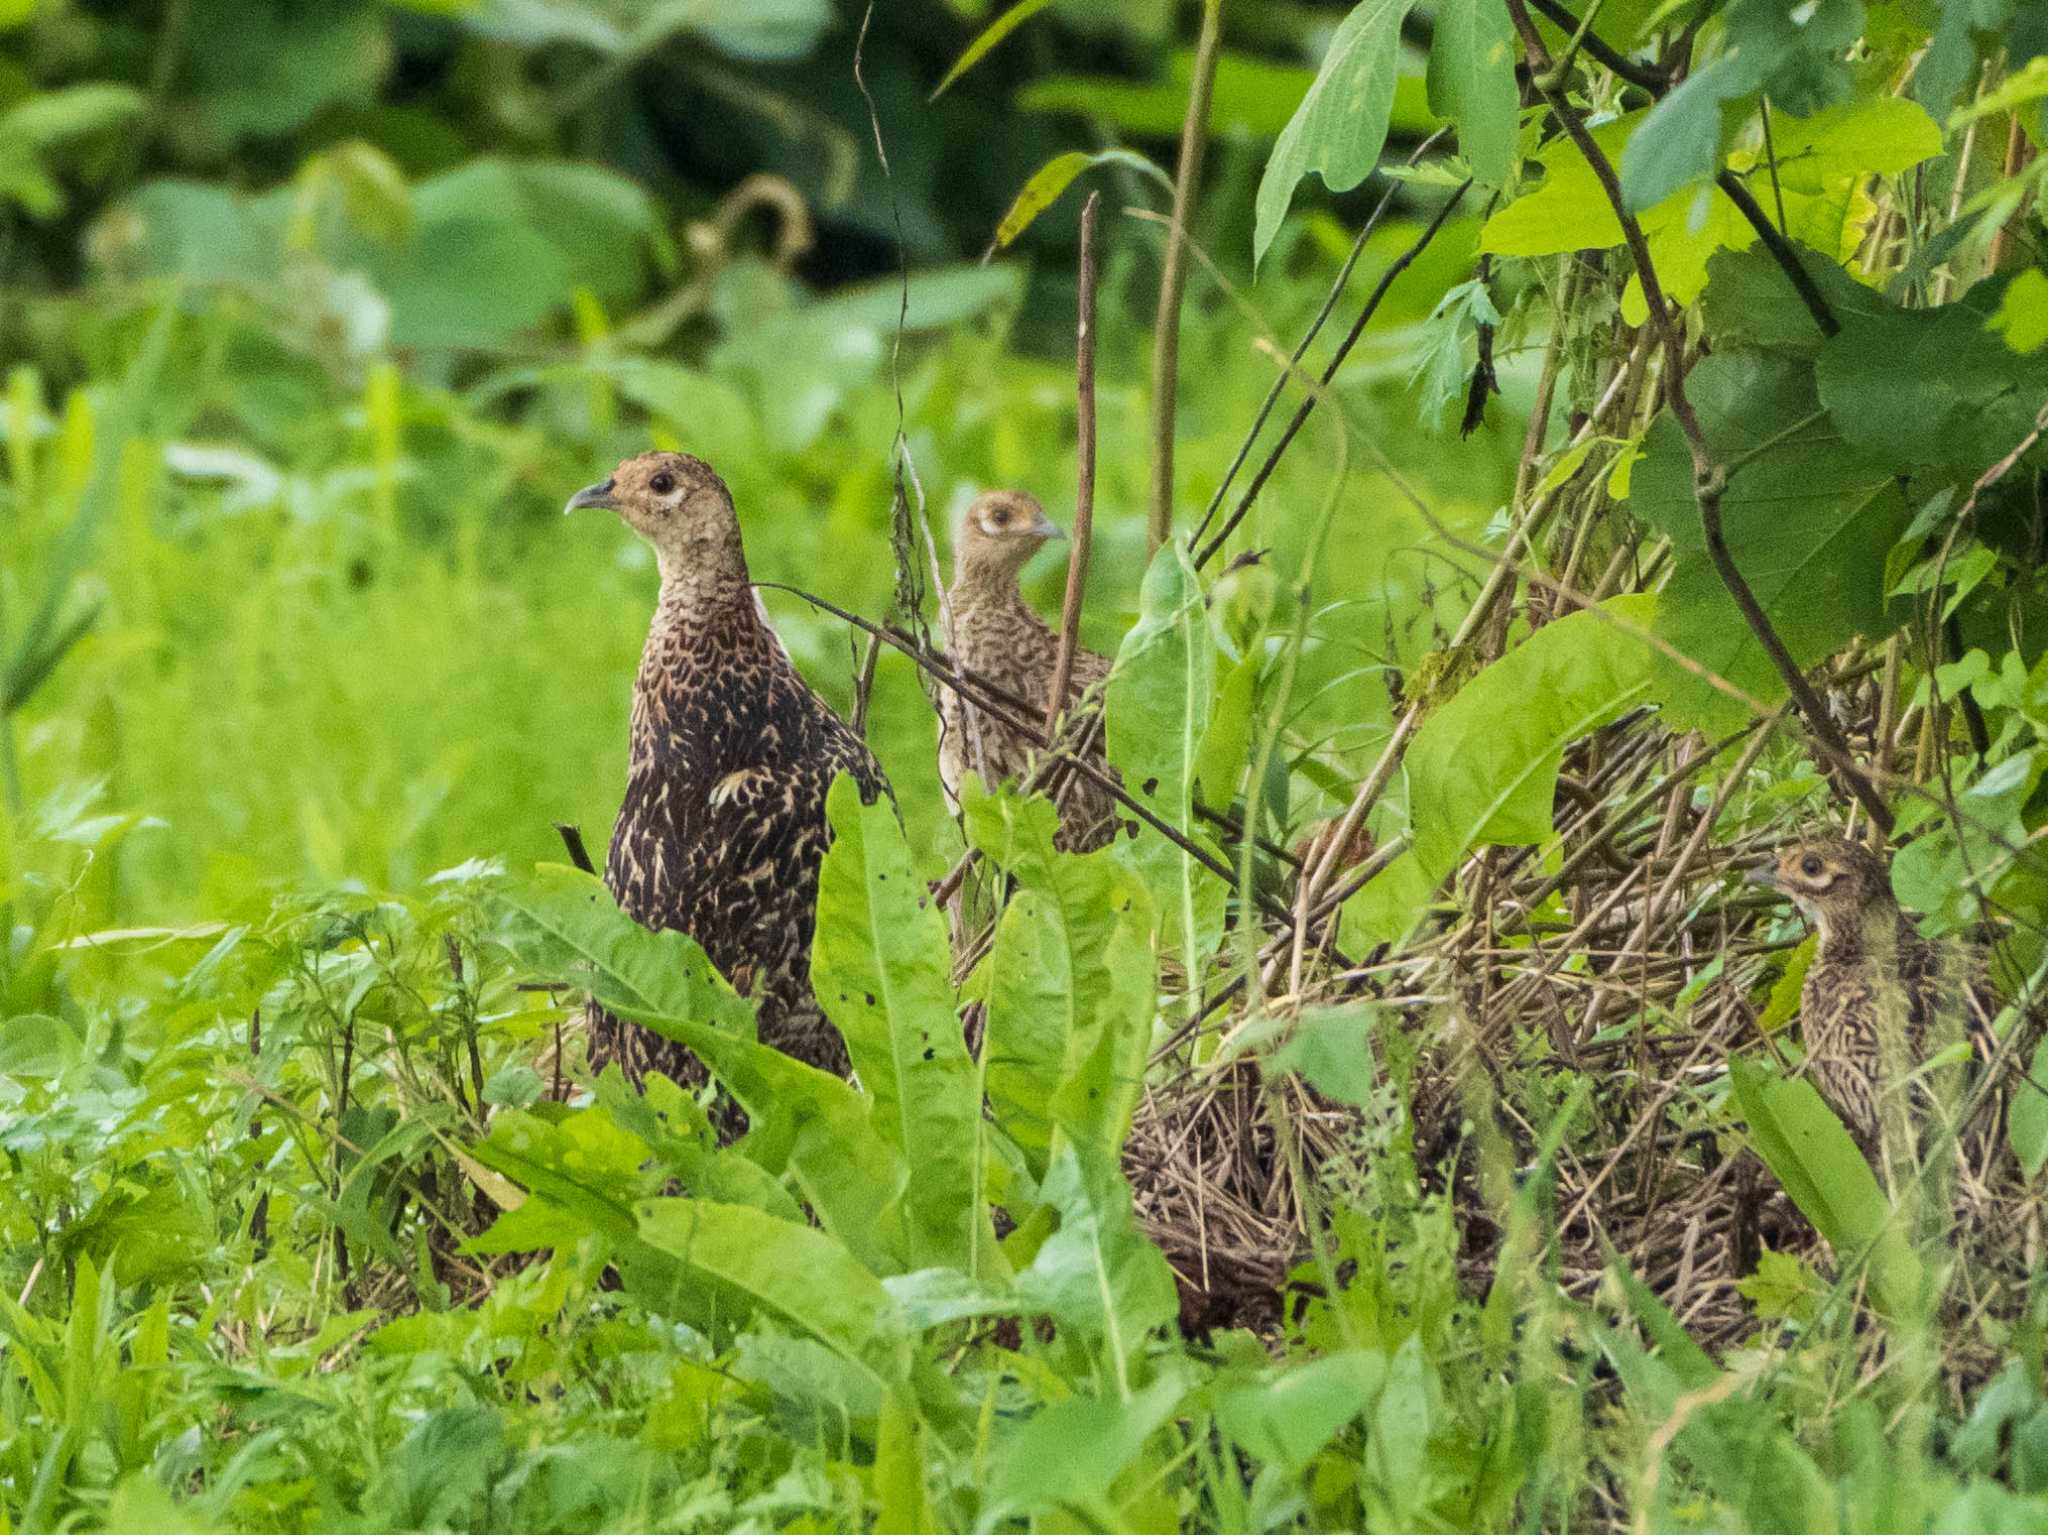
(1878, 999)
(731, 754)
(1000, 641)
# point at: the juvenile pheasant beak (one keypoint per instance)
(1764, 875)
(1047, 528)
(592, 498)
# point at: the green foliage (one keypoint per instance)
(1160, 699)
(1808, 516)
(1484, 766)
(1341, 124)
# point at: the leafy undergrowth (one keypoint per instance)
(296, 1230)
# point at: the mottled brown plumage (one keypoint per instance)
(999, 639)
(1878, 998)
(723, 825)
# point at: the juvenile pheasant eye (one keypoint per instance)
(663, 484)
(1809, 866)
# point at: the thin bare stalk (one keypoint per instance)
(1084, 452)
(1173, 277)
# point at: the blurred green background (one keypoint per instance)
(314, 313)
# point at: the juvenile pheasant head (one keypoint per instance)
(1000, 531)
(680, 506)
(1838, 884)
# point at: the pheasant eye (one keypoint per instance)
(662, 484)
(1810, 865)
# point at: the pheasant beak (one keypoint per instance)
(1047, 528)
(1763, 875)
(593, 498)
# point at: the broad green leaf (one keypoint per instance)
(1288, 1419)
(1055, 176)
(563, 922)
(1341, 124)
(791, 1271)
(1161, 696)
(1483, 768)
(1804, 1144)
(1097, 1275)
(1071, 984)
(1749, 301)
(1807, 517)
(1069, 1456)
(268, 66)
(1679, 142)
(1829, 156)
(992, 34)
(1472, 82)
(1919, 387)
(882, 964)
(2027, 1117)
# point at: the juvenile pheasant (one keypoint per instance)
(731, 754)
(1878, 998)
(998, 639)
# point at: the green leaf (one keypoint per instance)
(1068, 1456)
(2027, 1118)
(1071, 983)
(791, 1271)
(1249, 96)
(1793, 49)
(882, 963)
(49, 118)
(1804, 1144)
(1226, 744)
(268, 65)
(1097, 1275)
(1807, 517)
(563, 922)
(2022, 317)
(1287, 1420)
(992, 34)
(1919, 387)
(1055, 176)
(1341, 124)
(1160, 699)
(1749, 301)
(1483, 768)
(1472, 82)
(1679, 142)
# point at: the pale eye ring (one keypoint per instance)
(662, 483)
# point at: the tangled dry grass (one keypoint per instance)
(1637, 964)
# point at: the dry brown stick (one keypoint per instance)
(1084, 487)
(1710, 477)
(1173, 276)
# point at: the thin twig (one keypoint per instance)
(1173, 276)
(1399, 265)
(1315, 327)
(1084, 451)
